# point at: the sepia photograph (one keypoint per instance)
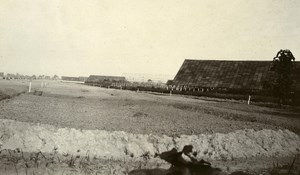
(149, 87)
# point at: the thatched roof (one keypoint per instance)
(227, 74)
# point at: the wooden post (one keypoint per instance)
(29, 89)
(170, 92)
(249, 99)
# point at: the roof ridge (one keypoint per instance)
(230, 60)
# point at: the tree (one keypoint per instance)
(33, 77)
(55, 77)
(282, 66)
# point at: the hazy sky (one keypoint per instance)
(112, 37)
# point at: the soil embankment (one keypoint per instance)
(119, 145)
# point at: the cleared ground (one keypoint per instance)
(85, 107)
(90, 109)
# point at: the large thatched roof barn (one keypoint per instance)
(249, 75)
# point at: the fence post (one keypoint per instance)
(249, 99)
(29, 89)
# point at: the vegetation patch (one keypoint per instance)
(139, 115)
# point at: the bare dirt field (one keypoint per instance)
(63, 117)
(86, 107)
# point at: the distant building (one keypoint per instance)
(212, 74)
(82, 79)
(140, 77)
(105, 80)
(66, 78)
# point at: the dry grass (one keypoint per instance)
(18, 162)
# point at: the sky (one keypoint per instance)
(151, 37)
